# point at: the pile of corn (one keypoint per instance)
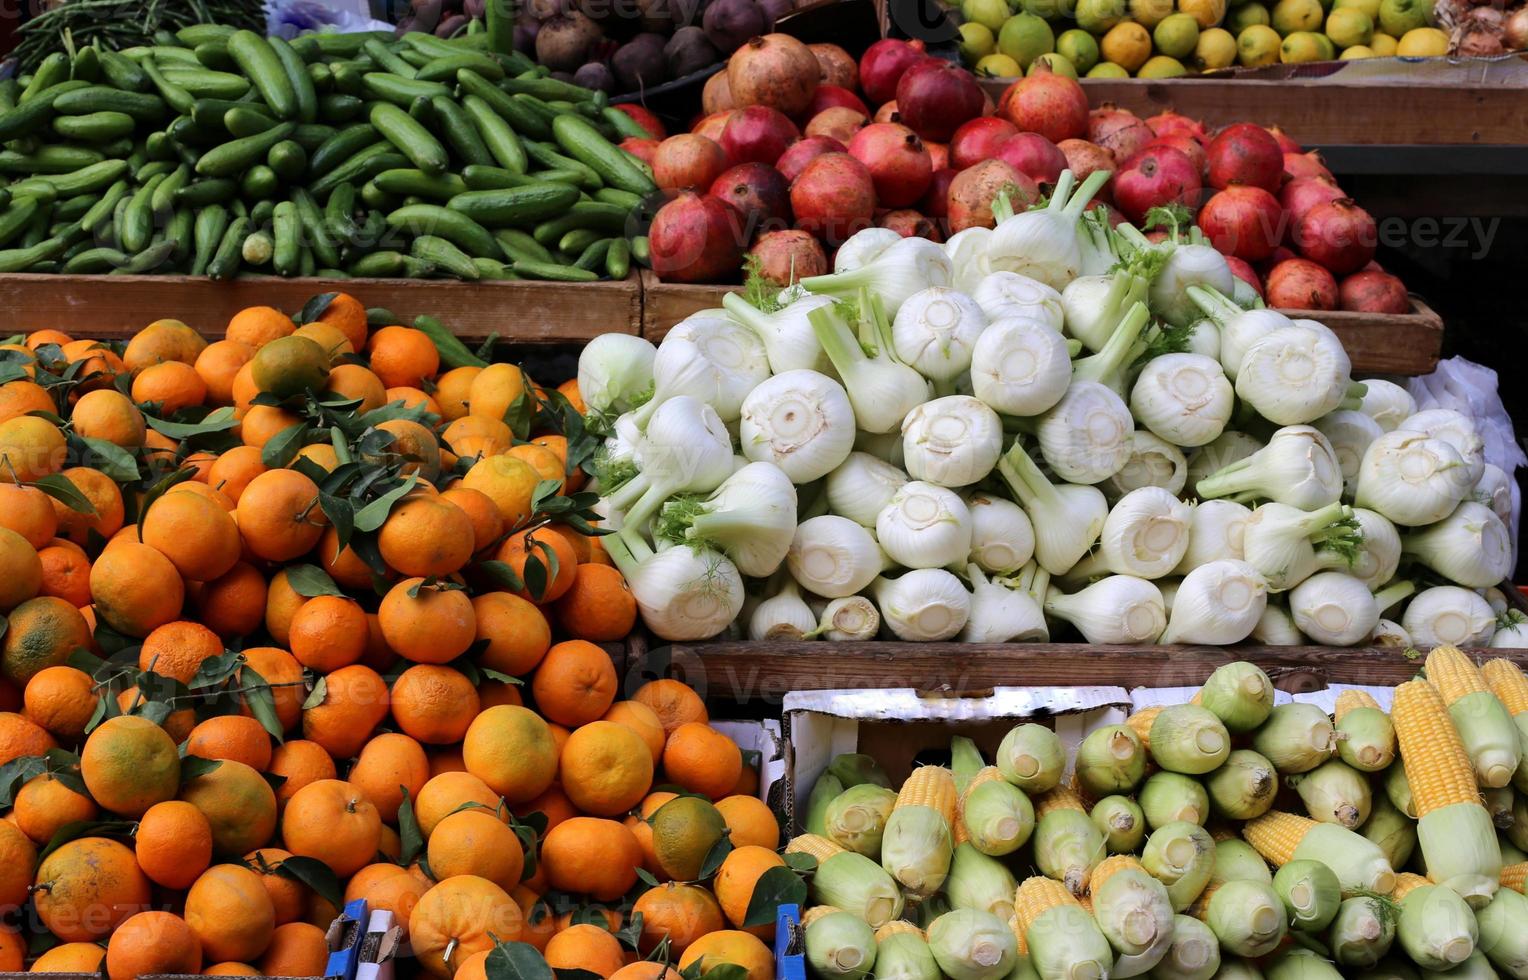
(1226, 837)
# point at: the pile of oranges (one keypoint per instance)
(303, 616)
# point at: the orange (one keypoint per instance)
(675, 702)
(434, 704)
(459, 917)
(61, 700)
(299, 762)
(474, 967)
(591, 856)
(644, 721)
(206, 492)
(452, 389)
(198, 536)
(547, 464)
(239, 805)
(508, 482)
(279, 515)
(152, 942)
(606, 768)
(355, 702)
(169, 387)
(445, 793)
(334, 822)
(734, 947)
(495, 389)
(585, 947)
(232, 471)
(105, 498)
(435, 625)
(19, 737)
(230, 912)
(39, 338)
(395, 893)
(173, 843)
(512, 750)
(735, 881)
(20, 570)
(553, 804)
(702, 760)
(575, 683)
(18, 398)
(262, 423)
(472, 436)
(45, 804)
(750, 821)
(364, 880)
(402, 356)
(178, 650)
(357, 383)
(413, 398)
(243, 386)
(283, 675)
(569, 389)
(136, 589)
(545, 546)
(516, 632)
(234, 603)
(494, 693)
(30, 449)
(476, 842)
(487, 522)
(289, 897)
(160, 342)
(234, 738)
(347, 315)
(88, 887)
(129, 764)
(331, 339)
(29, 512)
(219, 364)
(297, 949)
(327, 633)
(389, 765)
(540, 924)
(258, 326)
(414, 444)
(645, 970)
(111, 416)
(281, 604)
(681, 913)
(71, 958)
(685, 830)
(347, 568)
(160, 453)
(65, 573)
(290, 366)
(99, 364)
(426, 536)
(43, 632)
(598, 606)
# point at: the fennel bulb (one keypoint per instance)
(1001, 613)
(1085, 438)
(1339, 610)
(801, 421)
(1471, 546)
(1067, 519)
(1511, 631)
(934, 332)
(1411, 478)
(1458, 430)
(615, 372)
(849, 618)
(1218, 603)
(1295, 375)
(1388, 633)
(1020, 366)
(881, 389)
(682, 368)
(1120, 609)
(1215, 532)
(1239, 328)
(925, 526)
(787, 334)
(861, 486)
(1094, 305)
(1230, 447)
(924, 605)
(682, 593)
(1494, 489)
(953, 441)
(783, 616)
(833, 556)
(1203, 338)
(734, 351)
(862, 247)
(1146, 534)
(1379, 550)
(750, 517)
(1187, 266)
(1006, 295)
(1448, 614)
(1045, 244)
(1002, 538)
(1276, 628)
(968, 254)
(1184, 398)
(1298, 467)
(1350, 433)
(1108, 366)
(686, 449)
(1153, 462)
(1280, 541)
(902, 269)
(1387, 403)
(885, 446)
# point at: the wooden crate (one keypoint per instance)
(114, 307)
(666, 303)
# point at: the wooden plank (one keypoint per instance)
(113, 307)
(666, 303)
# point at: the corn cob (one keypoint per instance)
(1110, 866)
(930, 786)
(818, 847)
(1486, 729)
(1510, 686)
(1358, 863)
(1367, 738)
(986, 775)
(1067, 845)
(1353, 698)
(897, 927)
(816, 912)
(1436, 928)
(1515, 877)
(1060, 798)
(916, 846)
(1201, 907)
(1140, 723)
(1454, 830)
(1057, 933)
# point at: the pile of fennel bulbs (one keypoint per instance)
(1051, 428)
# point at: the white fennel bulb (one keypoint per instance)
(1169, 589)
(1184, 398)
(904, 268)
(1094, 305)
(1146, 534)
(615, 372)
(862, 247)
(953, 441)
(1067, 519)
(1276, 628)
(786, 334)
(1511, 631)
(1203, 338)
(1471, 546)
(1389, 633)
(833, 557)
(1002, 537)
(1387, 403)
(935, 331)
(1001, 613)
(1448, 614)
(1120, 609)
(1153, 462)
(1458, 430)
(735, 352)
(751, 518)
(1281, 541)
(683, 593)
(1379, 548)
(925, 526)
(1230, 447)
(1215, 532)
(1085, 438)
(1109, 366)
(1410, 478)
(1494, 489)
(1339, 610)
(1006, 295)
(1045, 244)
(924, 605)
(1218, 603)
(968, 254)
(801, 421)
(1350, 432)
(1298, 467)
(686, 449)
(1495, 598)
(783, 616)
(849, 618)
(1020, 366)
(1188, 266)
(682, 368)
(1239, 329)
(1295, 375)
(861, 487)
(881, 389)
(885, 446)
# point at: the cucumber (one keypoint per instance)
(618, 259)
(387, 60)
(101, 211)
(497, 136)
(50, 71)
(86, 180)
(29, 118)
(206, 233)
(314, 232)
(576, 241)
(237, 155)
(259, 183)
(445, 68)
(50, 159)
(493, 269)
(339, 212)
(522, 206)
(583, 142)
(204, 83)
(347, 79)
(163, 199)
(550, 270)
(225, 259)
(95, 127)
(379, 265)
(151, 257)
(142, 106)
(209, 113)
(185, 133)
(518, 245)
(340, 147)
(453, 353)
(206, 192)
(180, 230)
(625, 199)
(624, 125)
(410, 138)
(447, 223)
(474, 84)
(320, 77)
(359, 168)
(246, 120)
(593, 255)
(286, 239)
(137, 226)
(193, 35)
(337, 107)
(214, 55)
(261, 213)
(288, 159)
(16, 217)
(460, 132)
(174, 96)
(122, 73)
(548, 157)
(94, 261)
(400, 90)
(310, 136)
(377, 199)
(258, 60)
(417, 183)
(347, 45)
(445, 256)
(299, 81)
(547, 89)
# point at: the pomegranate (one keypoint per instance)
(687, 160)
(936, 200)
(1246, 154)
(1170, 123)
(910, 224)
(774, 70)
(803, 152)
(758, 133)
(717, 95)
(640, 148)
(899, 165)
(696, 238)
(887, 112)
(1242, 269)
(1286, 145)
(835, 66)
(829, 96)
(788, 255)
(1155, 176)
(1281, 253)
(882, 65)
(759, 192)
(978, 139)
(1303, 193)
(1033, 155)
(935, 97)
(1190, 147)
(1119, 131)
(1082, 158)
(1373, 291)
(1052, 105)
(1338, 234)
(1300, 284)
(938, 153)
(1297, 165)
(711, 126)
(974, 189)
(1111, 213)
(834, 197)
(1246, 222)
(839, 122)
(643, 117)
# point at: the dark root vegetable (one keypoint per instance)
(690, 50)
(788, 256)
(729, 23)
(563, 41)
(1300, 284)
(833, 197)
(640, 64)
(696, 239)
(774, 70)
(595, 75)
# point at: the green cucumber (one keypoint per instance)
(122, 73)
(337, 107)
(194, 34)
(50, 71)
(225, 258)
(142, 106)
(553, 271)
(17, 217)
(548, 156)
(408, 182)
(453, 353)
(310, 136)
(206, 233)
(94, 127)
(164, 195)
(576, 241)
(286, 239)
(522, 206)
(26, 119)
(547, 89)
(400, 90)
(137, 227)
(174, 95)
(493, 269)
(624, 125)
(497, 136)
(618, 259)
(583, 142)
(447, 223)
(445, 69)
(341, 147)
(54, 158)
(360, 168)
(288, 159)
(259, 183)
(237, 155)
(94, 261)
(460, 132)
(445, 256)
(410, 138)
(247, 120)
(206, 192)
(258, 60)
(101, 211)
(304, 95)
(204, 83)
(519, 245)
(214, 55)
(85, 180)
(387, 60)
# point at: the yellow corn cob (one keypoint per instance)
(1275, 835)
(1201, 906)
(1108, 866)
(1078, 790)
(1515, 876)
(1453, 674)
(930, 786)
(1198, 697)
(1140, 723)
(1350, 699)
(897, 927)
(1508, 684)
(986, 775)
(1060, 798)
(1033, 897)
(1405, 883)
(817, 846)
(811, 915)
(1437, 766)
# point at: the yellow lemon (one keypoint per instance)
(1299, 47)
(1349, 26)
(1024, 38)
(1356, 52)
(988, 13)
(1243, 17)
(1107, 69)
(1422, 42)
(1207, 13)
(1296, 15)
(1097, 16)
(1257, 46)
(1161, 66)
(976, 42)
(1396, 17)
(1149, 13)
(998, 66)
(1215, 49)
(1055, 62)
(1383, 45)
(1370, 7)
(1127, 44)
(1079, 47)
(1176, 35)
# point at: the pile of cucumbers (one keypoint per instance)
(218, 151)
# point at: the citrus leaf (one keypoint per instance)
(310, 312)
(502, 575)
(310, 580)
(63, 490)
(193, 766)
(500, 676)
(517, 961)
(801, 862)
(110, 458)
(215, 670)
(775, 887)
(374, 514)
(158, 490)
(218, 420)
(412, 840)
(341, 514)
(316, 875)
(86, 828)
(715, 856)
(319, 693)
(16, 772)
(261, 704)
(631, 933)
(283, 447)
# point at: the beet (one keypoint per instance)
(910, 224)
(934, 97)
(688, 161)
(774, 11)
(639, 63)
(595, 75)
(525, 36)
(1157, 175)
(774, 70)
(729, 23)
(788, 255)
(974, 189)
(1300, 284)
(832, 96)
(696, 238)
(717, 95)
(803, 152)
(978, 139)
(1034, 156)
(758, 134)
(839, 123)
(1338, 234)
(1119, 131)
(1246, 222)
(1373, 291)
(1246, 154)
(563, 41)
(657, 16)
(833, 197)
(882, 65)
(899, 165)
(760, 193)
(1052, 105)
(690, 50)
(835, 66)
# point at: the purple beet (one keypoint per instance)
(730, 23)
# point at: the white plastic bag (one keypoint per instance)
(289, 18)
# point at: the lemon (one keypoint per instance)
(1148, 13)
(1107, 69)
(998, 66)
(1097, 16)
(1161, 66)
(1422, 42)
(1055, 62)
(976, 42)
(1370, 7)
(1215, 49)
(1328, 49)
(1349, 26)
(1079, 47)
(1296, 15)
(1207, 13)
(1301, 46)
(1127, 44)
(1024, 38)
(1175, 35)
(1383, 45)
(1396, 17)
(1357, 52)
(1257, 46)
(988, 13)
(1243, 17)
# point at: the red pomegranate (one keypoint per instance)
(774, 70)
(910, 224)
(803, 152)
(1052, 105)
(974, 189)
(839, 123)
(1033, 155)
(934, 97)
(1246, 154)
(977, 140)
(899, 165)
(1155, 176)
(834, 197)
(1338, 234)
(1119, 131)
(836, 66)
(1373, 291)
(711, 126)
(789, 254)
(887, 112)
(1083, 158)
(1242, 269)
(938, 153)
(687, 160)
(830, 96)
(642, 149)
(696, 238)
(1303, 193)
(645, 118)
(1190, 147)
(882, 65)
(758, 134)
(1286, 145)
(1246, 222)
(1170, 123)
(936, 200)
(1300, 284)
(1297, 165)
(759, 192)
